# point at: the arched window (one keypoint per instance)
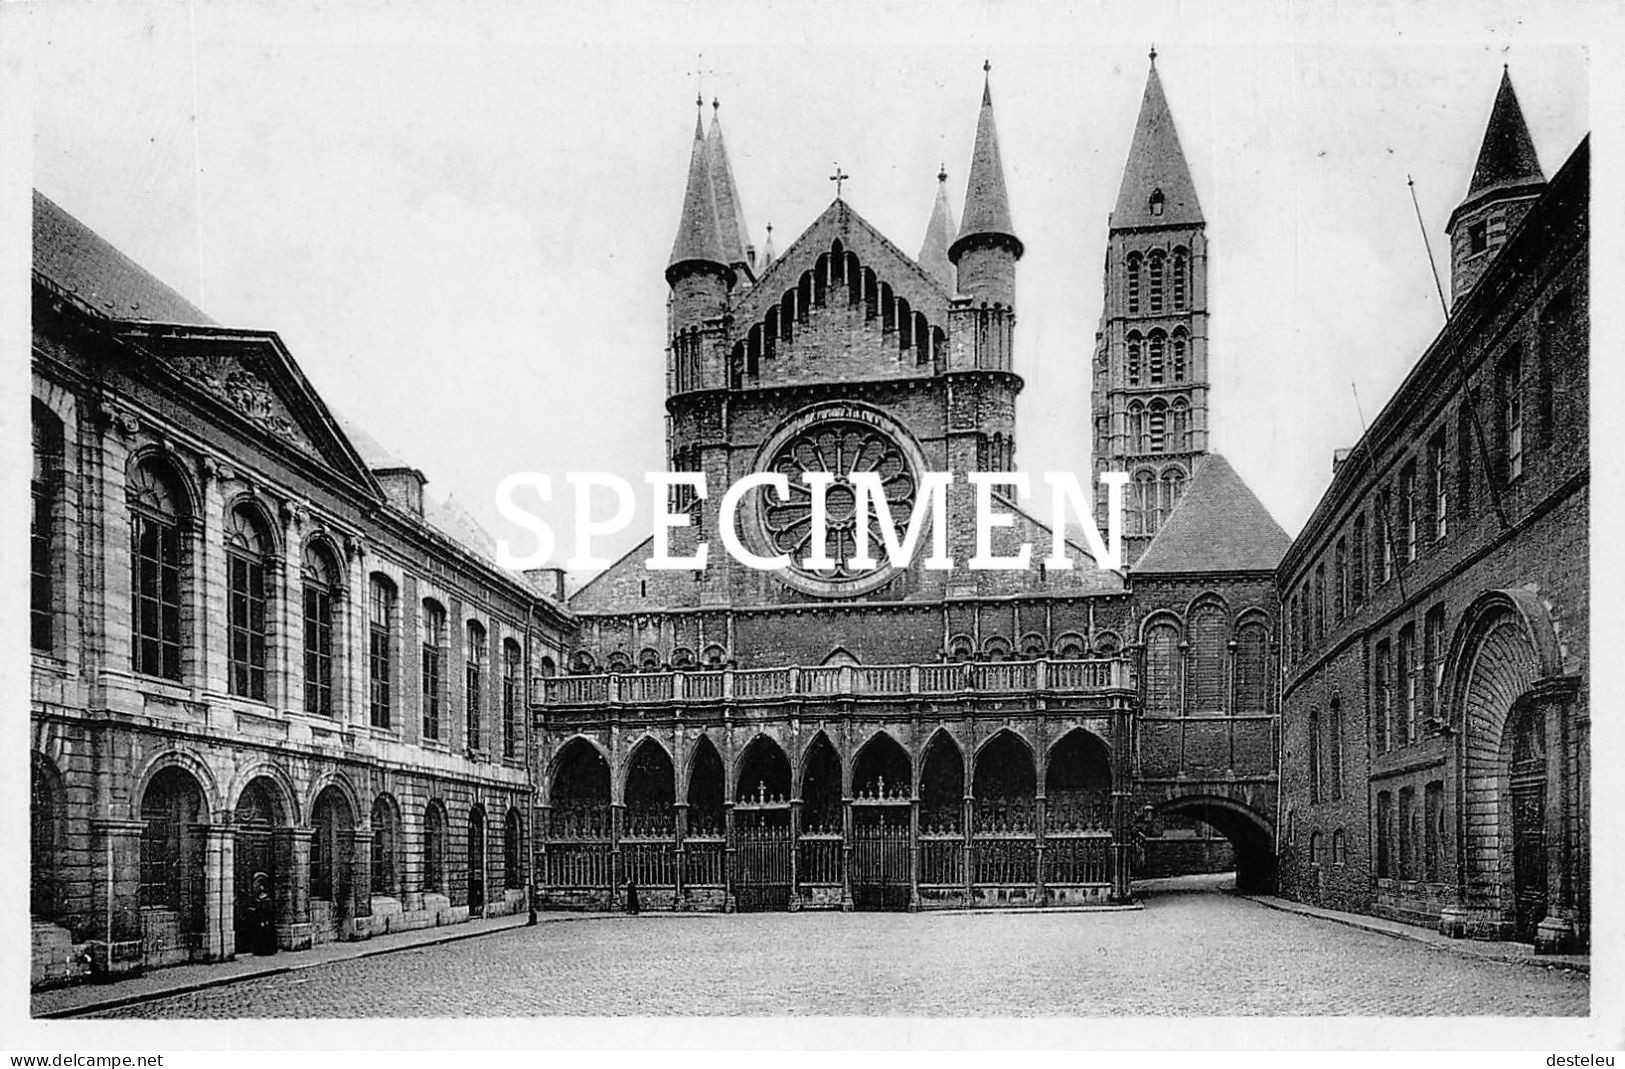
(1173, 487)
(434, 666)
(996, 648)
(320, 576)
(247, 546)
(1154, 205)
(714, 656)
(1208, 631)
(1155, 264)
(1033, 646)
(434, 848)
(961, 648)
(1134, 343)
(1156, 427)
(386, 834)
(513, 837)
(1178, 359)
(1317, 786)
(1136, 427)
(1252, 675)
(155, 570)
(1357, 563)
(1179, 426)
(380, 650)
(682, 658)
(1145, 491)
(618, 662)
(1340, 850)
(648, 659)
(1133, 283)
(512, 658)
(1334, 750)
(1156, 360)
(1314, 848)
(43, 554)
(1181, 265)
(474, 688)
(1162, 669)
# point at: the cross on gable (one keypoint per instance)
(838, 177)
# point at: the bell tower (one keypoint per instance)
(1150, 374)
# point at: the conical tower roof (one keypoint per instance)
(698, 236)
(1156, 162)
(987, 205)
(1507, 157)
(939, 234)
(730, 209)
(769, 253)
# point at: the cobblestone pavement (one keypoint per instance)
(1199, 953)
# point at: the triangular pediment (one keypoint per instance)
(858, 236)
(248, 377)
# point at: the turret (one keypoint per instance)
(939, 234)
(986, 250)
(1506, 182)
(700, 275)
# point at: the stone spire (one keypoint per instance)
(730, 209)
(939, 234)
(699, 238)
(769, 254)
(1157, 189)
(1507, 157)
(987, 206)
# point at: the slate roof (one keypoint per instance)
(699, 238)
(1506, 158)
(987, 205)
(730, 209)
(81, 263)
(1155, 161)
(939, 234)
(1219, 525)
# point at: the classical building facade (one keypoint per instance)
(1436, 752)
(277, 697)
(849, 736)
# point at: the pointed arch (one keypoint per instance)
(820, 280)
(821, 787)
(942, 784)
(762, 771)
(579, 791)
(1078, 782)
(706, 788)
(649, 790)
(881, 769)
(1004, 782)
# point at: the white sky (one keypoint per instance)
(459, 222)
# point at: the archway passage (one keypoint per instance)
(1251, 837)
(882, 862)
(259, 882)
(1005, 785)
(172, 848)
(332, 823)
(822, 825)
(942, 815)
(704, 846)
(648, 843)
(579, 851)
(1078, 811)
(764, 850)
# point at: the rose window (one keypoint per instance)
(841, 448)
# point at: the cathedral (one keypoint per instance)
(903, 737)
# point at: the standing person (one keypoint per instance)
(264, 916)
(632, 894)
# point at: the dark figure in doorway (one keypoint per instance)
(264, 912)
(632, 894)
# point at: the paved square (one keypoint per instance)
(1199, 953)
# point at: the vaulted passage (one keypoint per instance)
(1250, 835)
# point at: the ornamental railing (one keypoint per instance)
(824, 681)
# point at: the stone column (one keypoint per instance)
(1041, 804)
(540, 831)
(359, 907)
(914, 854)
(217, 941)
(679, 855)
(795, 855)
(970, 849)
(730, 857)
(617, 873)
(1122, 797)
(292, 849)
(115, 898)
(1558, 932)
(846, 855)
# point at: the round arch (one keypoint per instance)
(1251, 835)
(339, 782)
(186, 762)
(285, 794)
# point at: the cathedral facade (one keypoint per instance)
(854, 737)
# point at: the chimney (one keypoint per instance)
(549, 580)
(1338, 457)
(404, 488)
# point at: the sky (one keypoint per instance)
(457, 217)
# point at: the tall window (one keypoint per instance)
(1433, 657)
(1407, 513)
(434, 848)
(1405, 669)
(1134, 343)
(320, 582)
(1464, 456)
(1433, 829)
(1133, 283)
(1180, 268)
(380, 619)
(1438, 485)
(474, 675)
(434, 667)
(1173, 485)
(1407, 833)
(1145, 492)
(1156, 427)
(1179, 426)
(1385, 696)
(1317, 790)
(246, 548)
(1252, 674)
(1320, 602)
(42, 529)
(1156, 361)
(1136, 427)
(1154, 263)
(1512, 416)
(155, 565)
(511, 667)
(1208, 634)
(1385, 833)
(1340, 582)
(1357, 564)
(385, 836)
(1334, 749)
(1179, 356)
(1162, 670)
(1385, 532)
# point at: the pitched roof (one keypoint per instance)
(987, 205)
(81, 263)
(730, 209)
(1155, 161)
(1506, 159)
(1219, 525)
(939, 234)
(699, 238)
